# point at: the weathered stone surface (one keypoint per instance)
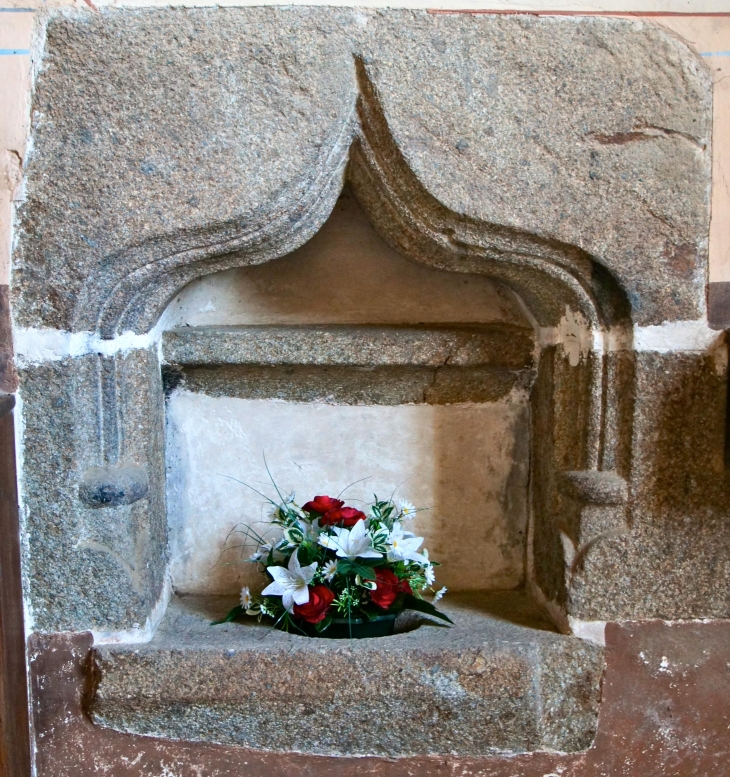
(567, 159)
(356, 346)
(537, 127)
(664, 711)
(484, 685)
(237, 117)
(674, 560)
(113, 486)
(595, 487)
(88, 568)
(550, 125)
(354, 385)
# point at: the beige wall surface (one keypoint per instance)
(703, 24)
(466, 465)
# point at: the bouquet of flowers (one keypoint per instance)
(333, 565)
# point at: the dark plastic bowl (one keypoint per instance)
(358, 628)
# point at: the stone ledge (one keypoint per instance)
(498, 681)
(355, 346)
(389, 385)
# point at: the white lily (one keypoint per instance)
(402, 545)
(350, 543)
(291, 583)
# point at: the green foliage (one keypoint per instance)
(236, 612)
(421, 605)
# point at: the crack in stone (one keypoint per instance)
(641, 133)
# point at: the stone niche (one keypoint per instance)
(467, 253)
(345, 362)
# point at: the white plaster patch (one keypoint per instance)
(575, 335)
(676, 336)
(469, 463)
(577, 339)
(38, 345)
(592, 631)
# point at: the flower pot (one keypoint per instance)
(357, 628)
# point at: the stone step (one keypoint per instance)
(499, 680)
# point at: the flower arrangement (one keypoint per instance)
(335, 569)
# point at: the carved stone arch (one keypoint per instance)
(130, 292)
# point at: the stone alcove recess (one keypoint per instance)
(91, 349)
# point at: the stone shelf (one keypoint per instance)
(386, 365)
(356, 346)
(500, 680)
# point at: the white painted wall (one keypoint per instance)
(468, 463)
(345, 274)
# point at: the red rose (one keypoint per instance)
(342, 516)
(388, 586)
(321, 504)
(314, 611)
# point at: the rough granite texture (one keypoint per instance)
(567, 159)
(485, 685)
(519, 132)
(353, 385)
(99, 567)
(673, 559)
(357, 346)
(665, 710)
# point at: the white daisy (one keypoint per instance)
(329, 570)
(439, 594)
(406, 510)
(246, 599)
(430, 575)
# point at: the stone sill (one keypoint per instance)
(499, 681)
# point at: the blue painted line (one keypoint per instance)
(10, 52)
(715, 54)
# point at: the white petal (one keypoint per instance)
(412, 544)
(358, 531)
(288, 600)
(308, 572)
(370, 554)
(301, 595)
(277, 588)
(294, 563)
(279, 573)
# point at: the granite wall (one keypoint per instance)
(566, 159)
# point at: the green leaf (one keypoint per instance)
(351, 567)
(412, 603)
(323, 625)
(236, 612)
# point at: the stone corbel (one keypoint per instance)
(602, 497)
